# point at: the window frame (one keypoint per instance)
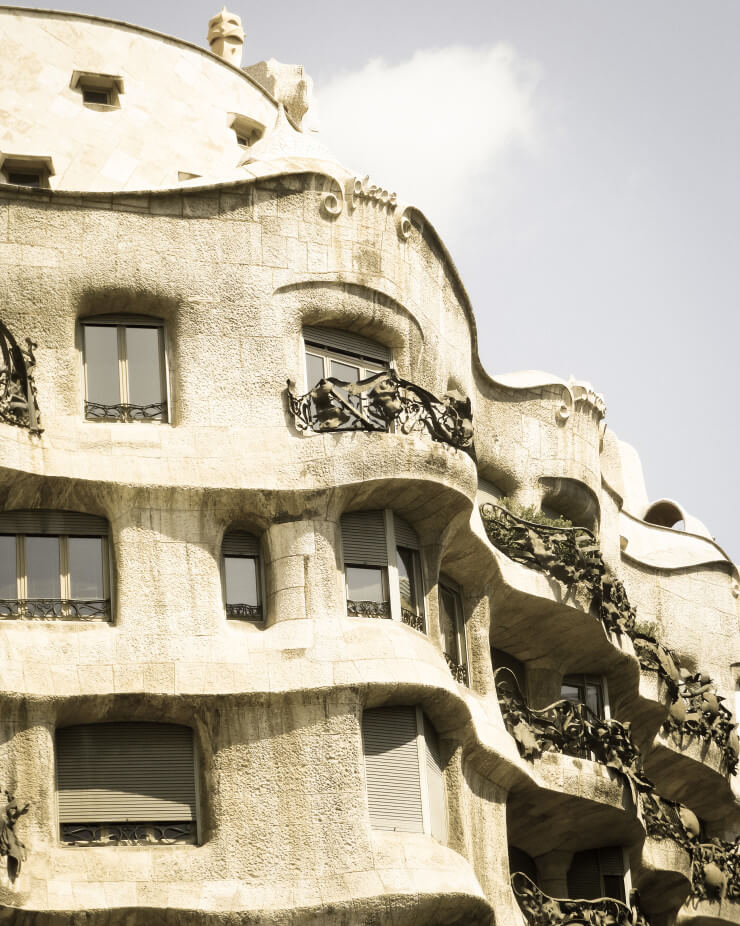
(121, 323)
(583, 680)
(65, 606)
(110, 84)
(459, 670)
(626, 872)
(260, 578)
(42, 167)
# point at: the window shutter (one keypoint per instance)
(405, 534)
(363, 538)
(347, 342)
(488, 492)
(143, 321)
(120, 772)
(584, 876)
(41, 521)
(611, 861)
(240, 543)
(435, 783)
(392, 769)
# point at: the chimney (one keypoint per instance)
(226, 37)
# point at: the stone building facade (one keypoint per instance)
(307, 618)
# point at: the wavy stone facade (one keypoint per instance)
(233, 271)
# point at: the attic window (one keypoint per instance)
(26, 170)
(99, 91)
(247, 131)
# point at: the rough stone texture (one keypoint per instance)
(235, 269)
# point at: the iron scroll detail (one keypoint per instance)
(540, 909)
(18, 403)
(380, 401)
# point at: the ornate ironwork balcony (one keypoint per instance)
(569, 555)
(96, 411)
(18, 403)
(245, 612)
(128, 834)
(666, 819)
(413, 620)
(61, 608)
(459, 672)
(368, 608)
(540, 909)
(568, 728)
(380, 402)
(715, 871)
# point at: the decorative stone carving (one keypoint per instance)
(288, 83)
(17, 390)
(569, 555)
(358, 190)
(10, 845)
(226, 37)
(542, 910)
(380, 402)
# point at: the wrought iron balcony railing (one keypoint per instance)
(715, 871)
(61, 608)
(128, 834)
(245, 612)
(540, 909)
(459, 672)
(369, 608)
(18, 403)
(379, 403)
(412, 619)
(97, 411)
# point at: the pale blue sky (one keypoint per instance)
(604, 243)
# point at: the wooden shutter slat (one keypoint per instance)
(121, 318)
(611, 861)
(392, 769)
(363, 538)
(584, 876)
(435, 783)
(405, 534)
(240, 543)
(118, 772)
(347, 342)
(42, 521)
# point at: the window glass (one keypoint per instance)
(101, 364)
(448, 622)
(407, 578)
(240, 574)
(42, 567)
(365, 583)
(144, 369)
(8, 582)
(584, 690)
(86, 568)
(314, 369)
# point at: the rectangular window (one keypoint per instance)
(598, 873)
(365, 549)
(101, 97)
(124, 371)
(24, 178)
(452, 629)
(241, 575)
(587, 690)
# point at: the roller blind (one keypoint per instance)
(144, 321)
(584, 876)
(488, 492)
(435, 783)
(347, 342)
(240, 543)
(405, 534)
(392, 769)
(41, 521)
(119, 772)
(364, 539)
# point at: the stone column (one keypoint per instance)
(552, 872)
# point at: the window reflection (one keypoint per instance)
(86, 568)
(241, 580)
(366, 583)
(8, 568)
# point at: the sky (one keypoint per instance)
(580, 160)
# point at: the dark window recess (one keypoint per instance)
(597, 873)
(24, 178)
(96, 96)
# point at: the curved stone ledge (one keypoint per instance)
(663, 876)
(666, 549)
(708, 913)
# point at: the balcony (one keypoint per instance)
(18, 404)
(541, 910)
(57, 608)
(383, 402)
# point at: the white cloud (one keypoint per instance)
(435, 127)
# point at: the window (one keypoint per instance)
(241, 576)
(503, 660)
(598, 873)
(587, 690)
(125, 371)
(126, 783)
(26, 170)
(247, 131)
(99, 91)
(345, 356)
(452, 629)
(382, 567)
(403, 772)
(53, 564)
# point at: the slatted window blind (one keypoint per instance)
(347, 342)
(240, 543)
(125, 772)
(488, 492)
(364, 538)
(392, 769)
(41, 521)
(435, 783)
(405, 534)
(597, 873)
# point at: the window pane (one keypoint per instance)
(314, 369)
(241, 580)
(448, 622)
(101, 364)
(407, 579)
(86, 568)
(42, 567)
(8, 583)
(144, 367)
(344, 371)
(572, 693)
(366, 583)
(594, 700)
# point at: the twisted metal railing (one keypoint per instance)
(412, 619)
(459, 672)
(369, 608)
(128, 834)
(382, 401)
(123, 411)
(540, 909)
(246, 612)
(62, 608)
(18, 403)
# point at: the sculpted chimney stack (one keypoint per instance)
(226, 37)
